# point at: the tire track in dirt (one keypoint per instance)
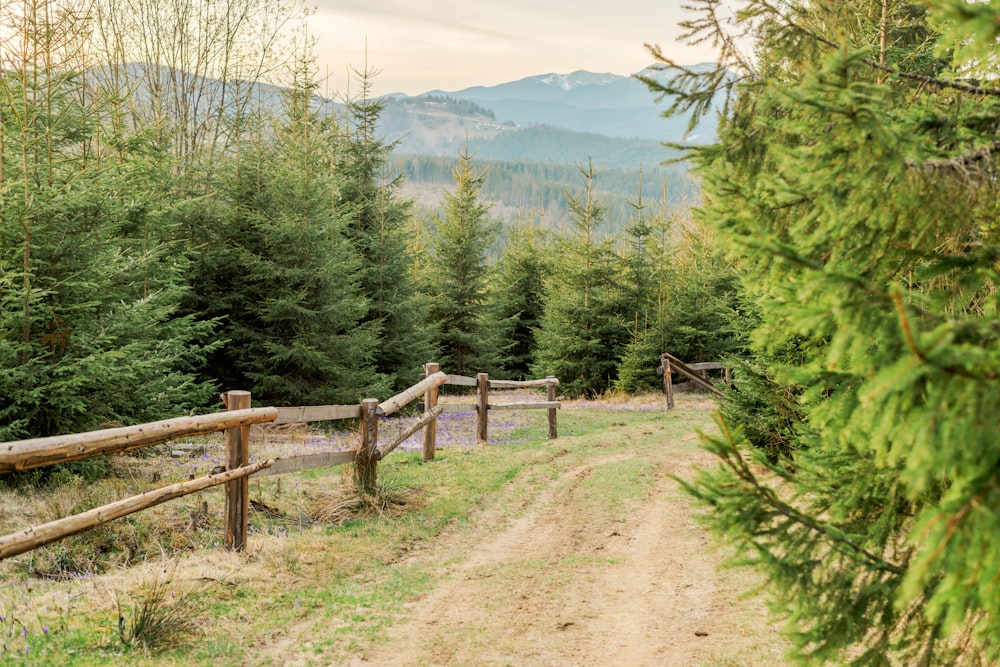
(549, 589)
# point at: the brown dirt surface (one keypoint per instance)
(555, 579)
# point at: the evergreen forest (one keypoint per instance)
(188, 215)
(166, 235)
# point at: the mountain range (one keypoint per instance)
(530, 136)
(556, 118)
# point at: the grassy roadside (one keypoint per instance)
(344, 582)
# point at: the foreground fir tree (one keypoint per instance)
(855, 182)
(458, 287)
(517, 298)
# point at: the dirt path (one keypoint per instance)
(556, 586)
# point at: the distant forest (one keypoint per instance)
(539, 189)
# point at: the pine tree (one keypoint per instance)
(854, 181)
(280, 273)
(380, 230)
(462, 238)
(583, 329)
(517, 298)
(90, 280)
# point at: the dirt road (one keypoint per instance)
(569, 580)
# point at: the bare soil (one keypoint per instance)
(550, 583)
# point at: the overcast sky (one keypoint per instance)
(421, 45)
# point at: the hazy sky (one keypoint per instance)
(420, 45)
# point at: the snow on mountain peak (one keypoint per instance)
(576, 79)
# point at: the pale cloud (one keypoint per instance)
(448, 44)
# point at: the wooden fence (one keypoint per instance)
(696, 373)
(236, 422)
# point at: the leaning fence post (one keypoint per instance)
(552, 411)
(366, 457)
(430, 400)
(237, 490)
(482, 406)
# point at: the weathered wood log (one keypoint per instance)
(425, 419)
(668, 382)
(452, 408)
(37, 452)
(551, 395)
(691, 373)
(707, 366)
(527, 405)
(390, 406)
(482, 406)
(461, 381)
(305, 462)
(366, 455)
(37, 536)
(429, 441)
(317, 413)
(237, 506)
(517, 384)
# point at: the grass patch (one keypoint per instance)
(334, 580)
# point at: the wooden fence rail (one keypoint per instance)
(236, 422)
(694, 372)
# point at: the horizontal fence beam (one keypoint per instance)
(386, 408)
(517, 384)
(461, 381)
(317, 413)
(305, 462)
(533, 405)
(707, 366)
(27, 454)
(452, 408)
(32, 538)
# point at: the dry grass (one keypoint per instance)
(347, 502)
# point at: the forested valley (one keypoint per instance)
(164, 239)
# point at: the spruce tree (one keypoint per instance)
(458, 289)
(380, 228)
(90, 280)
(517, 298)
(854, 181)
(280, 272)
(583, 328)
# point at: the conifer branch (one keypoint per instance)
(738, 465)
(894, 71)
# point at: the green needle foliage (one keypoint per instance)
(854, 182)
(90, 277)
(381, 232)
(280, 273)
(583, 327)
(464, 234)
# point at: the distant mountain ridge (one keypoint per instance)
(595, 103)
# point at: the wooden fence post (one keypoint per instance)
(552, 411)
(237, 490)
(668, 383)
(366, 460)
(482, 406)
(430, 401)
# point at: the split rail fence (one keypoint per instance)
(696, 373)
(236, 422)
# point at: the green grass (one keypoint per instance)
(341, 584)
